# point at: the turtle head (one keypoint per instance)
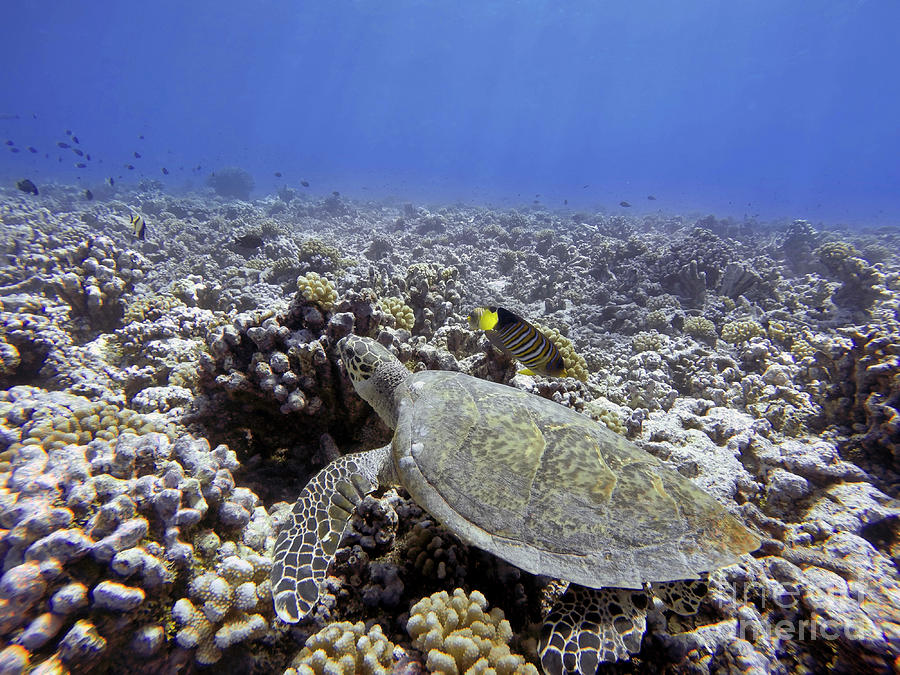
(375, 373)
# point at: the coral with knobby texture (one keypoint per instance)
(317, 290)
(96, 526)
(460, 636)
(700, 327)
(741, 331)
(344, 648)
(576, 366)
(865, 392)
(602, 410)
(95, 278)
(404, 317)
(861, 285)
(648, 341)
(317, 255)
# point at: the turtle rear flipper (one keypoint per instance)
(307, 544)
(682, 597)
(589, 626)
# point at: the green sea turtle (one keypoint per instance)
(541, 486)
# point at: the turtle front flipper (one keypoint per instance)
(307, 544)
(589, 626)
(682, 597)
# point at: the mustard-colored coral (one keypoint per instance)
(576, 366)
(317, 289)
(73, 419)
(699, 327)
(150, 308)
(460, 636)
(321, 255)
(740, 331)
(647, 341)
(403, 314)
(601, 410)
(344, 648)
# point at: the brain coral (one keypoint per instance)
(459, 636)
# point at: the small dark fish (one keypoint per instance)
(111, 181)
(25, 185)
(8, 116)
(32, 149)
(68, 132)
(249, 240)
(88, 195)
(587, 185)
(277, 174)
(625, 204)
(139, 226)
(78, 152)
(88, 157)
(10, 143)
(141, 136)
(336, 193)
(63, 145)
(165, 171)
(304, 183)
(14, 150)
(535, 201)
(137, 155)
(651, 198)
(565, 201)
(130, 167)
(81, 165)
(75, 138)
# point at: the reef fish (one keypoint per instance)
(139, 226)
(88, 195)
(25, 185)
(520, 339)
(625, 204)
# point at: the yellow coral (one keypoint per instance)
(740, 331)
(150, 308)
(647, 341)
(460, 636)
(601, 410)
(344, 648)
(699, 327)
(318, 290)
(576, 366)
(79, 420)
(402, 313)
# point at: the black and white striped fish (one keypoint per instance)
(521, 340)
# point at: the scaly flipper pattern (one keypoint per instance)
(307, 544)
(682, 597)
(589, 626)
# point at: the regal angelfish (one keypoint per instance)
(520, 339)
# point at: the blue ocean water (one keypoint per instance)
(781, 109)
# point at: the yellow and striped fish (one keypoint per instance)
(139, 226)
(521, 340)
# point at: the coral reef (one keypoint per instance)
(163, 402)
